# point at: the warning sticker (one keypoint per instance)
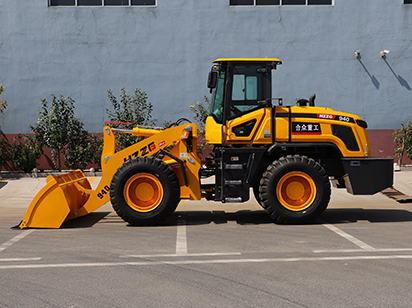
(302, 128)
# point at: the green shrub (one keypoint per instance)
(403, 141)
(5, 152)
(3, 104)
(59, 129)
(83, 149)
(200, 113)
(24, 152)
(5, 147)
(133, 109)
(78, 150)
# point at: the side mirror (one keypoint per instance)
(212, 80)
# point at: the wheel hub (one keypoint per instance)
(143, 192)
(296, 191)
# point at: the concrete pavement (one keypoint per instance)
(207, 254)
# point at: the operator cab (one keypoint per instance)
(239, 87)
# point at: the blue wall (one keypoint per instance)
(167, 51)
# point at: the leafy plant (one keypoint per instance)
(83, 148)
(24, 152)
(96, 146)
(403, 141)
(3, 104)
(167, 123)
(200, 113)
(57, 126)
(78, 150)
(5, 147)
(133, 109)
(5, 152)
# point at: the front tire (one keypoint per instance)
(144, 191)
(294, 189)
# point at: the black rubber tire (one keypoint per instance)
(163, 173)
(276, 172)
(256, 193)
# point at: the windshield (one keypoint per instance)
(216, 106)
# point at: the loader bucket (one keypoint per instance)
(58, 201)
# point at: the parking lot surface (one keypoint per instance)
(358, 254)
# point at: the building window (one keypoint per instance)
(285, 2)
(407, 1)
(267, 2)
(101, 2)
(294, 2)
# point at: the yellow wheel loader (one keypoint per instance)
(287, 155)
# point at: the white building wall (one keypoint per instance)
(167, 51)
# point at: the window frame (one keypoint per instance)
(103, 4)
(281, 4)
(244, 105)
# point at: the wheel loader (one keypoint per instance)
(287, 155)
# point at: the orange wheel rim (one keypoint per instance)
(143, 192)
(296, 191)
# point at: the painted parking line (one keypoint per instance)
(363, 250)
(15, 239)
(347, 236)
(207, 254)
(204, 262)
(19, 259)
(181, 240)
(181, 246)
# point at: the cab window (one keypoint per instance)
(247, 90)
(216, 106)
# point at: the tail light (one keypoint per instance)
(362, 123)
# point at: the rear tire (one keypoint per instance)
(256, 193)
(144, 191)
(294, 189)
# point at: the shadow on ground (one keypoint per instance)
(85, 221)
(340, 216)
(332, 216)
(2, 184)
(244, 217)
(247, 217)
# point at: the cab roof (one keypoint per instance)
(248, 60)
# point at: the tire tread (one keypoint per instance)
(266, 189)
(155, 164)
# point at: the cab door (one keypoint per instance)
(252, 128)
(248, 119)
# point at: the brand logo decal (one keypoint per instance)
(326, 116)
(142, 152)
